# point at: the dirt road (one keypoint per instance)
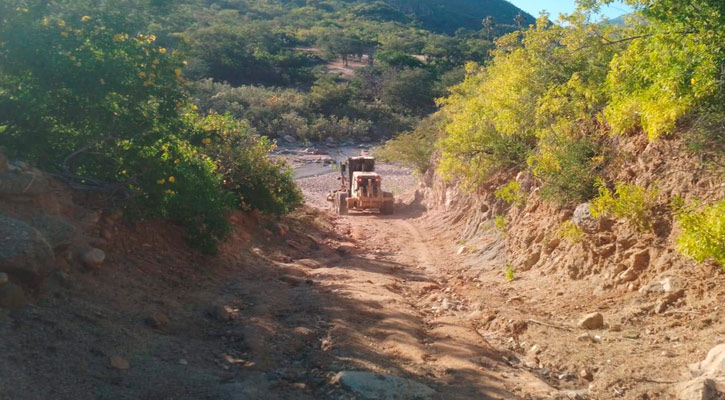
(277, 314)
(404, 315)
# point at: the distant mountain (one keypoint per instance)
(621, 20)
(446, 16)
(627, 20)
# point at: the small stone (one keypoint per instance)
(282, 229)
(586, 374)
(222, 313)
(308, 263)
(373, 386)
(11, 296)
(661, 307)
(157, 320)
(674, 296)
(304, 333)
(93, 258)
(592, 321)
(662, 285)
(640, 260)
(627, 276)
(552, 245)
(183, 362)
(3, 276)
(532, 259)
(120, 363)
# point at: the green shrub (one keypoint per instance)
(511, 193)
(632, 202)
(174, 180)
(78, 96)
(413, 149)
(501, 224)
(706, 138)
(242, 159)
(570, 232)
(702, 235)
(510, 274)
(671, 68)
(566, 167)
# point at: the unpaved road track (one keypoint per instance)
(409, 327)
(361, 292)
(407, 319)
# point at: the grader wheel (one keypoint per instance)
(341, 203)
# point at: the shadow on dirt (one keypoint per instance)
(248, 323)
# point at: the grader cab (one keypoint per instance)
(361, 188)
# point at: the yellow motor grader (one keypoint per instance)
(360, 188)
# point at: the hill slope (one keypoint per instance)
(445, 16)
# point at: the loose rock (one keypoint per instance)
(674, 296)
(120, 363)
(308, 263)
(592, 321)
(627, 276)
(24, 252)
(222, 313)
(57, 231)
(93, 258)
(662, 285)
(584, 219)
(382, 387)
(532, 259)
(157, 320)
(640, 260)
(304, 333)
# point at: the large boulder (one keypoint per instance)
(23, 183)
(373, 386)
(712, 365)
(24, 252)
(700, 389)
(709, 377)
(57, 231)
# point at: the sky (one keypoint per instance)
(555, 7)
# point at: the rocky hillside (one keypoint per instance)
(43, 231)
(594, 302)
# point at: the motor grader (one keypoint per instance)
(360, 188)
